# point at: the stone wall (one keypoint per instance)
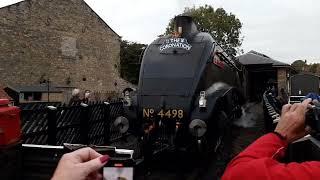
(63, 40)
(53, 97)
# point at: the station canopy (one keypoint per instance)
(256, 58)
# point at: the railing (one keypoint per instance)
(56, 124)
(271, 113)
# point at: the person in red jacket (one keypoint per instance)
(261, 159)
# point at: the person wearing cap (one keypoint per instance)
(261, 160)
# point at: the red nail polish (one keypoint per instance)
(104, 158)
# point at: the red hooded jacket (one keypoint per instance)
(260, 161)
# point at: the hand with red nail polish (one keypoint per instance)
(82, 164)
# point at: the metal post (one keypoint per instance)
(52, 125)
(106, 123)
(84, 124)
(288, 85)
(48, 86)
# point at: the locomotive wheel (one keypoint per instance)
(229, 109)
(219, 152)
(222, 120)
(223, 149)
(234, 104)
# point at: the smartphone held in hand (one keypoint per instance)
(118, 173)
(119, 167)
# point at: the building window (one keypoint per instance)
(27, 96)
(37, 96)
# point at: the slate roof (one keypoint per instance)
(35, 88)
(3, 94)
(256, 58)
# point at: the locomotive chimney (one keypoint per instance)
(185, 26)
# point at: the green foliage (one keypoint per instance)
(299, 65)
(302, 67)
(314, 68)
(224, 27)
(130, 54)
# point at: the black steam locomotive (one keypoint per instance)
(189, 91)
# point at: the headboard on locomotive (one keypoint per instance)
(301, 85)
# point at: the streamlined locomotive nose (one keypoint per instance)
(175, 104)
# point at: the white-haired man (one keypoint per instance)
(75, 96)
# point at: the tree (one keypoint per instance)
(224, 27)
(130, 55)
(299, 65)
(314, 68)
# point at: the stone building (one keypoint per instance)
(64, 41)
(262, 71)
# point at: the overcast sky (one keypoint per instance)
(285, 30)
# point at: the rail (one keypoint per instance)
(271, 112)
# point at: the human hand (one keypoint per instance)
(82, 164)
(292, 123)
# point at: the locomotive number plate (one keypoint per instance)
(171, 113)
